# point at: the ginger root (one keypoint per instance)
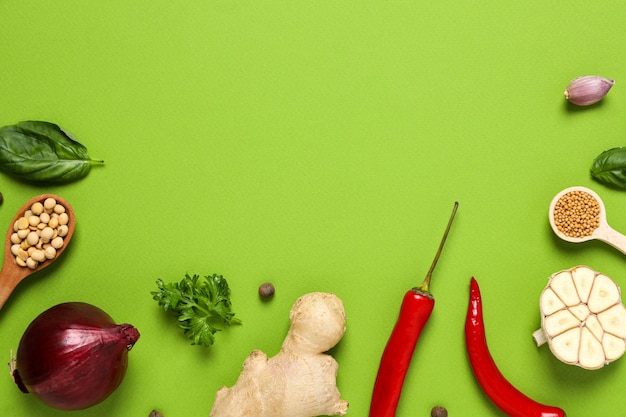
(300, 381)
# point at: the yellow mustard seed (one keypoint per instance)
(577, 214)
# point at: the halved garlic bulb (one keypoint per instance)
(582, 318)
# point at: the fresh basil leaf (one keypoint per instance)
(610, 167)
(42, 152)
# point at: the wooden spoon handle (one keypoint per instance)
(9, 278)
(612, 237)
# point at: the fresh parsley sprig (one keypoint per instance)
(202, 305)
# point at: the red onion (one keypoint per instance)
(73, 356)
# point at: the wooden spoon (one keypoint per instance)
(603, 232)
(12, 273)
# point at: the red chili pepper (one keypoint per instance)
(417, 305)
(503, 394)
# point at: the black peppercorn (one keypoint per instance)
(266, 291)
(438, 412)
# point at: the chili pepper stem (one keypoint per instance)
(425, 285)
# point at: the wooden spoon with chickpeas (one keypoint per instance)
(37, 236)
(577, 214)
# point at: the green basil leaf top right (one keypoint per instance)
(610, 168)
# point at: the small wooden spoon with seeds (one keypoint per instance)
(12, 273)
(600, 231)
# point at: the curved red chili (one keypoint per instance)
(503, 394)
(417, 305)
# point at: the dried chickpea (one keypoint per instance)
(31, 263)
(38, 255)
(32, 238)
(37, 208)
(15, 239)
(22, 254)
(22, 223)
(50, 252)
(33, 220)
(49, 204)
(47, 234)
(54, 222)
(57, 242)
(63, 230)
(45, 217)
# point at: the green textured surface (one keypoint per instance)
(320, 146)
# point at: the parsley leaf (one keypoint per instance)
(203, 306)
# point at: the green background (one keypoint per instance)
(318, 145)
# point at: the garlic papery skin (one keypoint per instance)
(584, 91)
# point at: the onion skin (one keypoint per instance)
(73, 356)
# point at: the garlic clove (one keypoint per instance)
(560, 322)
(583, 279)
(550, 302)
(613, 320)
(604, 294)
(587, 90)
(566, 346)
(613, 346)
(591, 354)
(563, 286)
